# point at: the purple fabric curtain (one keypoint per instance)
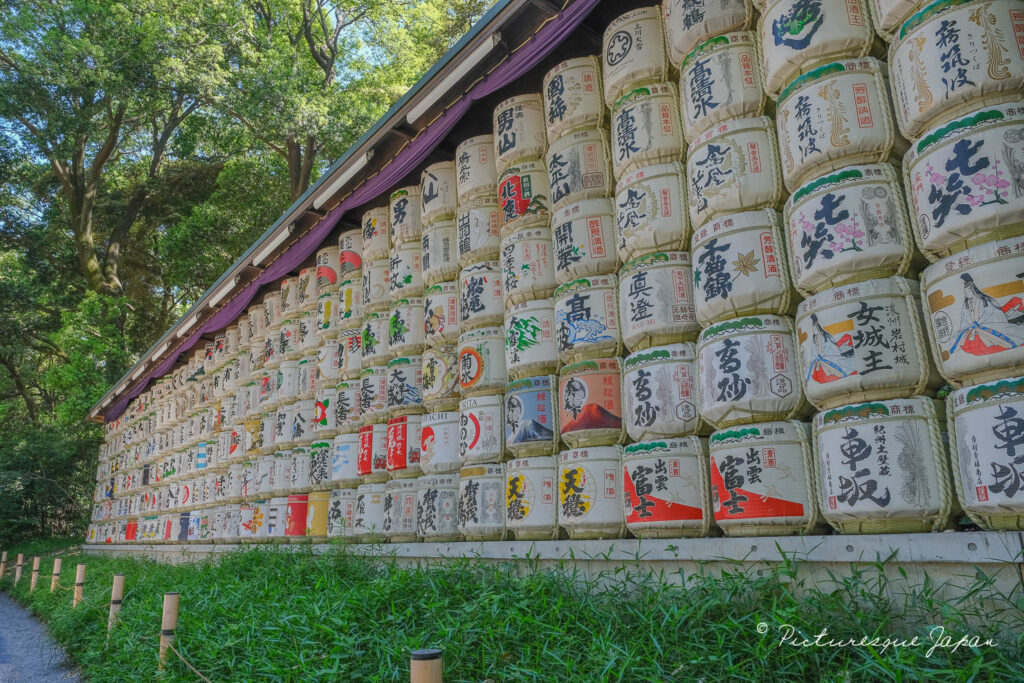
(519, 63)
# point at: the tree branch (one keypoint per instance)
(30, 403)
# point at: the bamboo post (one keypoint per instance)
(79, 583)
(57, 562)
(426, 666)
(116, 594)
(17, 568)
(35, 575)
(168, 622)
(3, 564)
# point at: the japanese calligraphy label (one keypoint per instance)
(437, 516)
(288, 381)
(646, 128)
(373, 389)
(666, 488)
(437, 192)
(749, 372)
(740, 267)
(376, 233)
(888, 15)
(308, 288)
(405, 385)
(864, 342)
(519, 130)
(975, 306)
(720, 80)
(328, 266)
(883, 467)
(524, 196)
(405, 270)
(530, 503)
(344, 461)
(848, 226)
(441, 314)
(348, 306)
(527, 268)
(372, 461)
(590, 500)
(400, 510)
(798, 35)
(659, 386)
(272, 310)
(369, 514)
(341, 512)
(375, 337)
(480, 430)
(573, 97)
(578, 167)
(965, 181)
(481, 506)
(347, 405)
(298, 471)
(530, 346)
(633, 52)
(954, 58)
(590, 403)
(350, 252)
(327, 312)
(478, 229)
(440, 257)
(376, 285)
(439, 442)
(761, 480)
(309, 332)
(481, 302)
(405, 217)
(650, 211)
(482, 361)
(733, 167)
(835, 116)
(406, 327)
(350, 353)
(583, 240)
(475, 171)
(656, 300)
(530, 416)
(320, 453)
(986, 433)
(587, 318)
(403, 446)
(440, 378)
(688, 23)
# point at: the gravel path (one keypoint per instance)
(27, 652)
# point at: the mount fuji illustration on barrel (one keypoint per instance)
(593, 416)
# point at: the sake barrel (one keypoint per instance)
(965, 181)
(316, 516)
(530, 510)
(440, 261)
(846, 227)
(482, 361)
(341, 513)
(659, 387)
(578, 167)
(749, 372)
(864, 342)
(347, 305)
(688, 25)
(883, 467)
(762, 480)
(740, 267)
(287, 382)
(441, 314)
(651, 211)
(405, 327)
(252, 520)
(973, 300)
(480, 430)
(481, 508)
(530, 347)
(309, 333)
(527, 267)
(376, 285)
(405, 385)
(350, 253)
(986, 434)
(376, 233)
(372, 462)
(369, 515)
(586, 311)
(953, 58)
(888, 15)
(481, 301)
(437, 508)
(590, 403)
(583, 236)
(519, 131)
(531, 421)
(290, 304)
(374, 345)
(344, 461)
(321, 452)
(308, 288)
(406, 220)
(665, 488)
(439, 442)
(299, 470)
(403, 446)
(719, 80)
(400, 510)
(733, 167)
(267, 423)
(646, 128)
(817, 113)
(573, 97)
(327, 318)
(295, 520)
(633, 52)
(328, 362)
(796, 37)
(328, 269)
(475, 172)
(656, 300)
(440, 371)
(478, 229)
(272, 310)
(284, 417)
(282, 472)
(590, 499)
(288, 346)
(524, 196)
(309, 377)
(373, 394)
(350, 353)
(405, 270)
(437, 191)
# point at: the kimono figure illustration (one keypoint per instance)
(987, 327)
(828, 365)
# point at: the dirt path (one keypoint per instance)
(27, 652)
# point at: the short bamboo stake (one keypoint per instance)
(3, 564)
(79, 584)
(168, 622)
(426, 666)
(57, 562)
(116, 594)
(17, 568)
(35, 575)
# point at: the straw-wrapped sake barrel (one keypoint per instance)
(372, 462)
(403, 446)
(530, 508)
(437, 192)
(665, 488)
(341, 513)
(406, 219)
(481, 300)
(405, 270)
(864, 342)
(350, 353)
(373, 394)
(651, 211)
(375, 285)
(437, 513)
(482, 502)
(646, 128)
(590, 497)
(986, 436)
(482, 361)
(524, 196)
(406, 327)
(656, 300)
(475, 172)
(883, 467)
(440, 367)
(439, 252)
(687, 25)
(573, 97)
(405, 385)
(345, 460)
(583, 240)
(441, 314)
(579, 167)
(480, 430)
(659, 387)
(316, 516)
(527, 266)
(439, 442)
(888, 15)
(587, 318)
(374, 344)
(376, 233)
(530, 347)
(531, 420)
(478, 229)
(633, 52)
(400, 510)
(519, 130)
(347, 405)
(369, 514)
(590, 403)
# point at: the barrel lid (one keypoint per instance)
(648, 172)
(860, 64)
(522, 236)
(491, 400)
(914, 407)
(574, 63)
(613, 364)
(982, 393)
(644, 92)
(584, 208)
(849, 174)
(679, 445)
(406, 191)
(750, 323)
(894, 286)
(659, 258)
(590, 453)
(760, 123)
(524, 166)
(531, 383)
(736, 39)
(757, 219)
(774, 432)
(923, 15)
(684, 351)
(965, 125)
(977, 255)
(586, 283)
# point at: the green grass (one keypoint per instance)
(262, 614)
